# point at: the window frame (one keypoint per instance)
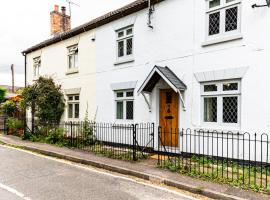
(36, 67)
(72, 52)
(219, 94)
(124, 38)
(222, 10)
(73, 102)
(124, 99)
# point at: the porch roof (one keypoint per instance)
(167, 75)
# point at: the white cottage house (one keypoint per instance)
(200, 64)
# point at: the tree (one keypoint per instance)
(45, 99)
(3, 93)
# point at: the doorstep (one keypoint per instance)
(145, 170)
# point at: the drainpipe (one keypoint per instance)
(25, 83)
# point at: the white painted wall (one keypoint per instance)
(54, 63)
(176, 41)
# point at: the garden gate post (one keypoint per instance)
(134, 127)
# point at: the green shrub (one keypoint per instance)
(9, 108)
(14, 125)
(56, 136)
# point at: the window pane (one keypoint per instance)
(129, 31)
(76, 60)
(230, 109)
(38, 68)
(77, 110)
(168, 97)
(130, 94)
(230, 86)
(129, 109)
(35, 71)
(121, 34)
(210, 88)
(231, 19)
(210, 109)
(214, 3)
(70, 98)
(120, 48)
(129, 46)
(214, 23)
(71, 61)
(77, 98)
(119, 110)
(120, 94)
(70, 110)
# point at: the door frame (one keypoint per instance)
(160, 86)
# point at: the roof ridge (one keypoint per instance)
(126, 10)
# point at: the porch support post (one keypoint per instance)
(182, 100)
(147, 101)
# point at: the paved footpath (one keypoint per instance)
(144, 170)
(25, 176)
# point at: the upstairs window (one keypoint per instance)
(37, 65)
(124, 104)
(73, 57)
(125, 42)
(221, 103)
(223, 17)
(73, 102)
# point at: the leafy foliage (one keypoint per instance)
(9, 108)
(12, 107)
(56, 136)
(14, 125)
(3, 93)
(88, 130)
(45, 99)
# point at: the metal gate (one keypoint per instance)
(143, 139)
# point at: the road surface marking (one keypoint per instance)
(90, 168)
(13, 191)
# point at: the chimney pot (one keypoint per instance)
(60, 21)
(56, 8)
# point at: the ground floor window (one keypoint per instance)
(221, 102)
(73, 106)
(124, 104)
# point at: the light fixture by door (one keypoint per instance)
(265, 5)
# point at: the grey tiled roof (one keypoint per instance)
(170, 76)
(100, 21)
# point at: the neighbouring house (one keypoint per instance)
(181, 64)
(10, 94)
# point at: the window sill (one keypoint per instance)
(222, 40)
(72, 71)
(124, 61)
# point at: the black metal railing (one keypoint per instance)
(122, 141)
(241, 159)
(3, 127)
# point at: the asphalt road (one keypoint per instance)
(25, 176)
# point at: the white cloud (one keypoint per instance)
(5, 79)
(25, 23)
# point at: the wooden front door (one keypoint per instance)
(168, 117)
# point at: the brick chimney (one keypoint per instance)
(60, 21)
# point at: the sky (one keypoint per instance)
(24, 23)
